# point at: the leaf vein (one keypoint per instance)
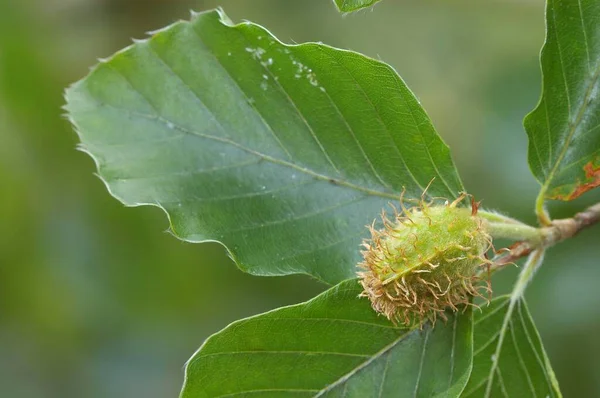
(282, 352)
(418, 381)
(360, 146)
(263, 156)
(575, 124)
(585, 38)
(186, 173)
(321, 248)
(562, 65)
(292, 103)
(486, 344)
(241, 91)
(402, 159)
(535, 352)
(501, 334)
(338, 320)
(520, 358)
(298, 217)
(385, 368)
(454, 327)
(489, 314)
(502, 385)
(343, 379)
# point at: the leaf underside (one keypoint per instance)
(332, 346)
(354, 5)
(519, 367)
(564, 129)
(283, 153)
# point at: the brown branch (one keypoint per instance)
(556, 232)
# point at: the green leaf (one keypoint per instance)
(509, 359)
(354, 5)
(332, 346)
(564, 129)
(282, 153)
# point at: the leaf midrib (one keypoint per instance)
(506, 325)
(167, 123)
(335, 180)
(365, 364)
(573, 127)
(322, 177)
(386, 351)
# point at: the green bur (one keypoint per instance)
(424, 261)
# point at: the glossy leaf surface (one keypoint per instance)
(564, 129)
(282, 153)
(332, 346)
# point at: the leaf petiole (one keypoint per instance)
(540, 210)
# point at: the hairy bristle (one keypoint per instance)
(424, 261)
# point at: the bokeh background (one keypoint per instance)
(96, 300)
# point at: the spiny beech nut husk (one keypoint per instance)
(425, 260)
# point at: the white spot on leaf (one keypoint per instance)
(257, 53)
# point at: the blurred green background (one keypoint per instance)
(96, 300)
